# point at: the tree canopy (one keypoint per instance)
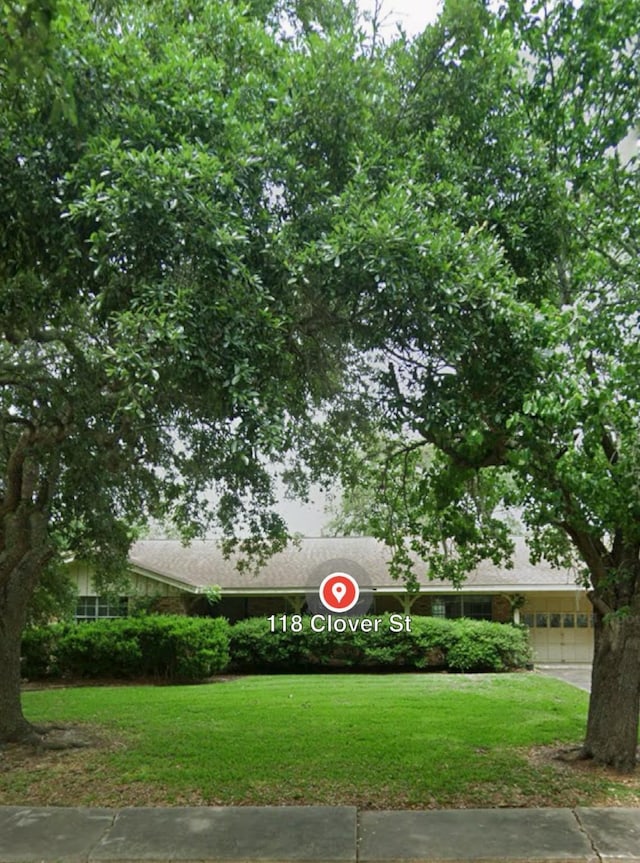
(151, 342)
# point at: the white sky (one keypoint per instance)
(413, 15)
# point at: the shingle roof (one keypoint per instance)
(202, 564)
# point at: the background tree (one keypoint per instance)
(492, 234)
(153, 344)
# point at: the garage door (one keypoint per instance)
(559, 633)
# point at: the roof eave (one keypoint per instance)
(425, 590)
(166, 579)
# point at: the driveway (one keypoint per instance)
(576, 675)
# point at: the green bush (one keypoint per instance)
(183, 648)
(479, 645)
(104, 648)
(253, 647)
(432, 643)
(170, 648)
(187, 649)
(39, 651)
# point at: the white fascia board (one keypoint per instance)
(425, 591)
(153, 575)
(496, 588)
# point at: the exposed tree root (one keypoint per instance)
(573, 754)
(62, 737)
(52, 736)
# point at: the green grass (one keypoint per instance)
(388, 741)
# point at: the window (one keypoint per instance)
(556, 620)
(462, 605)
(95, 607)
(478, 607)
(438, 608)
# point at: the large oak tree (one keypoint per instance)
(492, 230)
(154, 343)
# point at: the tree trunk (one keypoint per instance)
(28, 487)
(612, 725)
(14, 597)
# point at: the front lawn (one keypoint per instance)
(390, 741)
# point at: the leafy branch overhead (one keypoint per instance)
(144, 282)
(500, 287)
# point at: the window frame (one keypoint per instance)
(100, 608)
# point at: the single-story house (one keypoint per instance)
(177, 578)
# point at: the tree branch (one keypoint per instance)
(48, 482)
(606, 441)
(13, 492)
(598, 603)
(592, 550)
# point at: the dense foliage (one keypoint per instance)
(170, 649)
(181, 649)
(493, 234)
(432, 644)
(156, 354)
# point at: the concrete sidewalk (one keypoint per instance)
(316, 834)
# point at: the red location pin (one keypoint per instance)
(339, 592)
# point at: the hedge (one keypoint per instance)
(187, 649)
(432, 643)
(170, 648)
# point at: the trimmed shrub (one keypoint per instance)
(171, 648)
(104, 648)
(253, 647)
(39, 648)
(187, 649)
(184, 648)
(479, 645)
(432, 644)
